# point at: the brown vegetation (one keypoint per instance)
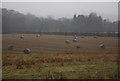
(52, 58)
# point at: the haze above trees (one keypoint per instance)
(16, 22)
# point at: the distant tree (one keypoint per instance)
(15, 22)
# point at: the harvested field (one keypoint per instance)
(52, 58)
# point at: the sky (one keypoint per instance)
(108, 10)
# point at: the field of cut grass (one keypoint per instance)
(52, 58)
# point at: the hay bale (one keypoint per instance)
(38, 35)
(75, 40)
(10, 47)
(22, 37)
(75, 36)
(102, 46)
(26, 51)
(82, 36)
(67, 41)
(77, 46)
(95, 36)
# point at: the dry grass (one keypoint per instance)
(52, 58)
(56, 44)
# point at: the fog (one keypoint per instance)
(108, 10)
(0, 22)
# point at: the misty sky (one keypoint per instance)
(108, 10)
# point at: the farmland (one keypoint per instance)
(52, 58)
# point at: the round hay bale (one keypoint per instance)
(75, 40)
(102, 46)
(38, 35)
(67, 41)
(82, 36)
(10, 47)
(22, 37)
(26, 51)
(77, 46)
(95, 36)
(75, 36)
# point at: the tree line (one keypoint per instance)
(16, 22)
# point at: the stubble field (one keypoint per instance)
(52, 58)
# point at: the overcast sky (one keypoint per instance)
(108, 10)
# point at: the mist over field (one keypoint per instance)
(59, 41)
(16, 22)
(108, 10)
(1, 25)
(59, 17)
